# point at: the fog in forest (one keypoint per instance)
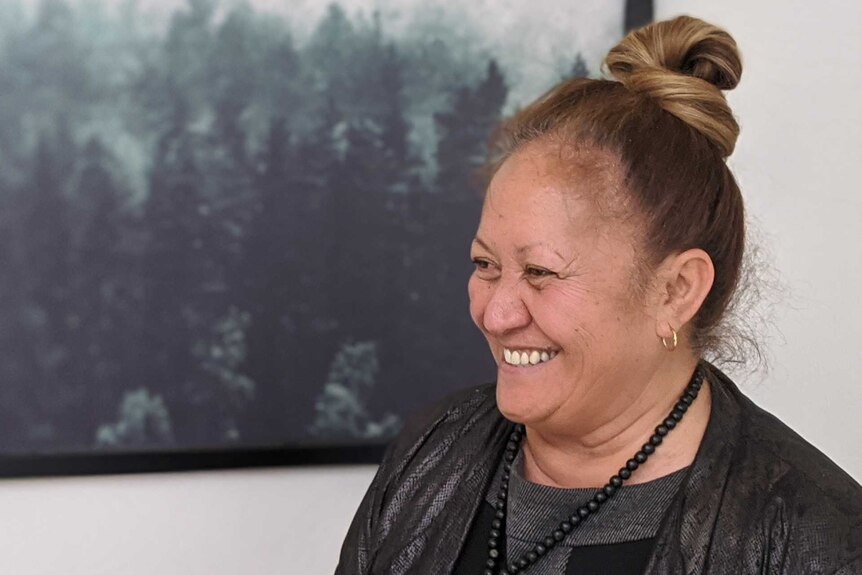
(227, 223)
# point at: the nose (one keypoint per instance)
(505, 310)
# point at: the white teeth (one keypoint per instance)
(527, 358)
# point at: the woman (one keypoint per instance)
(609, 247)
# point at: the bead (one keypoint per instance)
(640, 457)
(492, 543)
(501, 496)
(631, 464)
(507, 466)
(670, 423)
(532, 556)
(499, 505)
(661, 430)
(680, 406)
(648, 448)
(686, 400)
(493, 554)
(510, 457)
(496, 524)
(615, 481)
(559, 535)
(584, 512)
(601, 497)
(495, 533)
(523, 563)
(676, 414)
(491, 563)
(655, 440)
(575, 519)
(550, 542)
(624, 473)
(593, 506)
(500, 515)
(566, 527)
(511, 446)
(540, 549)
(487, 572)
(691, 394)
(609, 490)
(513, 568)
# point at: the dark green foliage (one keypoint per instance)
(340, 409)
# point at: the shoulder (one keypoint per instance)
(420, 459)
(803, 501)
(450, 412)
(793, 466)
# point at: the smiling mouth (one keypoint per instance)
(527, 358)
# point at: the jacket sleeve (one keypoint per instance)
(355, 550)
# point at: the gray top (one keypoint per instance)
(534, 511)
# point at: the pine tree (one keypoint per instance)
(176, 268)
(100, 303)
(47, 236)
(461, 151)
(463, 133)
(269, 287)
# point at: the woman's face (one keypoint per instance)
(553, 287)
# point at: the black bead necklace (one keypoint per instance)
(590, 507)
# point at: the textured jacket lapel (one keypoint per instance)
(684, 542)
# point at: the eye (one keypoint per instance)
(535, 272)
(481, 264)
(485, 269)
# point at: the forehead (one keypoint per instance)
(547, 192)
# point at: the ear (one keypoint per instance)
(685, 279)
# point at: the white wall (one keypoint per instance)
(222, 523)
(796, 162)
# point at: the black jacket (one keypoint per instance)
(757, 499)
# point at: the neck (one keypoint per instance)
(587, 456)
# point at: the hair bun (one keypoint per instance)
(683, 64)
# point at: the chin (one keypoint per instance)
(519, 404)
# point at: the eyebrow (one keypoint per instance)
(479, 241)
(520, 249)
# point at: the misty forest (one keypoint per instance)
(215, 231)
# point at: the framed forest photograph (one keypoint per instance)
(236, 232)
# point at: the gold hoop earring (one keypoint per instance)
(675, 341)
